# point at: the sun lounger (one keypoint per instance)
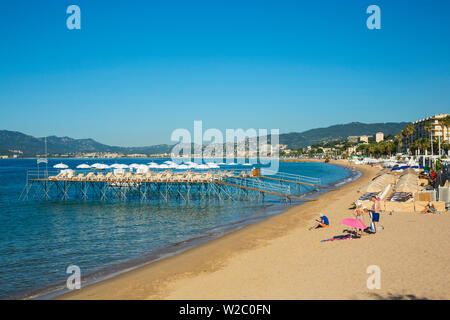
(401, 196)
(368, 196)
(90, 176)
(79, 177)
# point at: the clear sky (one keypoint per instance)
(137, 70)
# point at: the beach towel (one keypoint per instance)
(337, 238)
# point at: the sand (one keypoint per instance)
(281, 259)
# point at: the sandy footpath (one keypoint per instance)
(280, 259)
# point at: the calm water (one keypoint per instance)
(40, 239)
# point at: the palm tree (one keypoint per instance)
(445, 126)
(428, 128)
(398, 142)
(408, 131)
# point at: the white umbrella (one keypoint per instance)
(153, 165)
(134, 165)
(183, 167)
(83, 166)
(100, 166)
(202, 166)
(164, 166)
(60, 166)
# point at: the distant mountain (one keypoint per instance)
(31, 146)
(297, 140)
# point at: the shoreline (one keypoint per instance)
(161, 262)
(54, 292)
(279, 258)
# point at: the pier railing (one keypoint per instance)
(293, 177)
(234, 183)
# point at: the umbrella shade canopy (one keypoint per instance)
(378, 184)
(83, 166)
(183, 167)
(164, 166)
(100, 166)
(60, 166)
(354, 223)
(153, 165)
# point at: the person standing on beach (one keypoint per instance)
(359, 211)
(376, 208)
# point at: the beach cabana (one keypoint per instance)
(83, 166)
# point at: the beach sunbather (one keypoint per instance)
(429, 208)
(322, 222)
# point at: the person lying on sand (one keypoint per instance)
(321, 223)
(429, 208)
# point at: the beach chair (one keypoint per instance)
(127, 176)
(117, 177)
(109, 176)
(167, 176)
(56, 177)
(148, 176)
(90, 176)
(61, 175)
(79, 177)
(188, 176)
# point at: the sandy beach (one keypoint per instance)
(280, 258)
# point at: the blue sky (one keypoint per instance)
(137, 70)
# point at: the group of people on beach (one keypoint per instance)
(360, 212)
(373, 213)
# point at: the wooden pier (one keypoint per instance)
(165, 185)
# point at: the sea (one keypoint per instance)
(40, 239)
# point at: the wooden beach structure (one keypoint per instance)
(167, 184)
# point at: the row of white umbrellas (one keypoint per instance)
(151, 165)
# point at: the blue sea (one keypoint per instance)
(40, 239)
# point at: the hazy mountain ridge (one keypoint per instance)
(31, 146)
